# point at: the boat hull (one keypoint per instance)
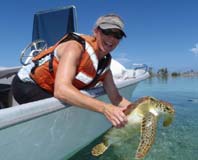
(49, 129)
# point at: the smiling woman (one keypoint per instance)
(76, 62)
(109, 30)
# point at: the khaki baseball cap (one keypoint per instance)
(111, 21)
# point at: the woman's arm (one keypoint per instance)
(70, 54)
(115, 97)
(69, 58)
(113, 92)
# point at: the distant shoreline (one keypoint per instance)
(193, 74)
(163, 72)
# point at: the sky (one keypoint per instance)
(160, 33)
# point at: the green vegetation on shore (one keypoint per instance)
(163, 72)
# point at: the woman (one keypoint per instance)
(77, 62)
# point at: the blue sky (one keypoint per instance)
(160, 33)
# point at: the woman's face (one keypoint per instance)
(106, 41)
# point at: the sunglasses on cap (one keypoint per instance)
(112, 32)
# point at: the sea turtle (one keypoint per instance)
(142, 119)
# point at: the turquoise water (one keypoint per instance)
(176, 142)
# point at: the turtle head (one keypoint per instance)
(164, 108)
(168, 112)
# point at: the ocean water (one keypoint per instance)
(179, 141)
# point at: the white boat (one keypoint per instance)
(49, 129)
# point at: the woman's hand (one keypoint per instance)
(115, 115)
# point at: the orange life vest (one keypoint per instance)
(89, 72)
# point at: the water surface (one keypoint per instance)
(176, 142)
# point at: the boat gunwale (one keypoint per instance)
(15, 115)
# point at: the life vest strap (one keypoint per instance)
(73, 36)
(103, 63)
(36, 64)
(51, 69)
(70, 36)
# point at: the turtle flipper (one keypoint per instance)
(148, 130)
(99, 149)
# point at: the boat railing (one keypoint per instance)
(139, 69)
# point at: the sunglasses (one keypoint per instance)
(112, 32)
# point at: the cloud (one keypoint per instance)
(123, 59)
(195, 49)
(129, 61)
